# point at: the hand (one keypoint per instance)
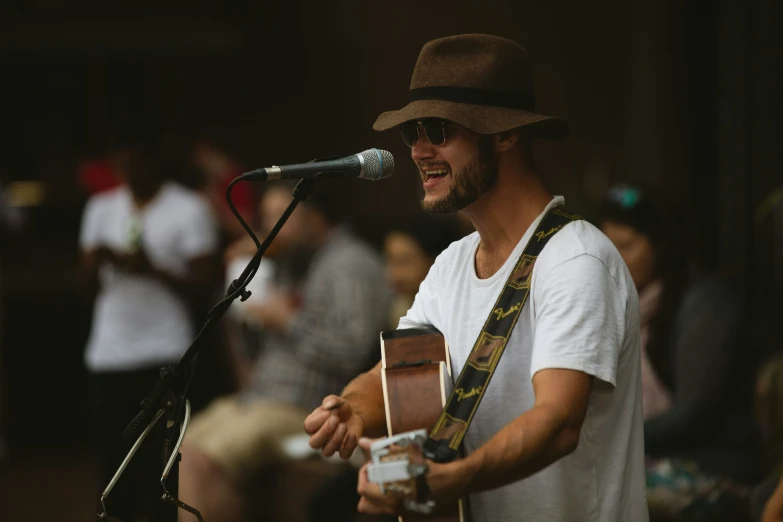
(334, 426)
(136, 262)
(773, 511)
(274, 312)
(243, 247)
(447, 482)
(372, 501)
(104, 254)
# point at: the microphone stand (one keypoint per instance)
(169, 394)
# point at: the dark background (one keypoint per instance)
(683, 95)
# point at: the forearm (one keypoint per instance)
(193, 283)
(525, 446)
(365, 395)
(90, 264)
(89, 278)
(185, 287)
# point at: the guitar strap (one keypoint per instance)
(446, 437)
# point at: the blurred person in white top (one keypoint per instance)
(148, 249)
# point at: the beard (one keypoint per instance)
(468, 184)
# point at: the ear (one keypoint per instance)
(503, 141)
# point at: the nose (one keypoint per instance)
(422, 149)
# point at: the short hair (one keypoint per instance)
(641, 208)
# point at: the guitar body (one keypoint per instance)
(416, 384)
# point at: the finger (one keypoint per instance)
(336, 441)
(315, 420)
(323, 435)
(372, 501)
(345, 411)
(332, 401)
(368, 489)
(338, 406)
(349, 444)
(363, 480)
(369, 507)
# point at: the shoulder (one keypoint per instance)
(103, 201)
(580, 243)
(181, 199)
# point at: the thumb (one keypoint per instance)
(331, 402)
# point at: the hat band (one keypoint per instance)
(511, 100)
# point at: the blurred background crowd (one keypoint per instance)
(125, 122)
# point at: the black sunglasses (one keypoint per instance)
(436, 131)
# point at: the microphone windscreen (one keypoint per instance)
(378, 164)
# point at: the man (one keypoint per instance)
(558, 435)
(316, 340)
(149, 246)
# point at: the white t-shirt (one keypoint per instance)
(139, 321)
(582, 314)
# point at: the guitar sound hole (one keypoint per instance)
(408, 364)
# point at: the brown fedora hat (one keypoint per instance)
(482, 82)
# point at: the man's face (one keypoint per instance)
(636, 250)
(406, 263)
(457, 173)
(130, 165)
(273, 203)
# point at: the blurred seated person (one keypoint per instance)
(317, 338)
(148, 250)
(218, 169)
(410, 252)
(767, 280)
(281, 270)
(699, 432)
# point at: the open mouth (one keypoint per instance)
(434, 174)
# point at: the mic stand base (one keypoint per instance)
(126, 461)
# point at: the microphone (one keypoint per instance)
(372, 164)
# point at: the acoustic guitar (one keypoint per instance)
(416, 373)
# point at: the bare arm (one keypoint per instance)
(190, 285)
(193, 284)
(365, 395)
(546, 433)
(91, 260)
